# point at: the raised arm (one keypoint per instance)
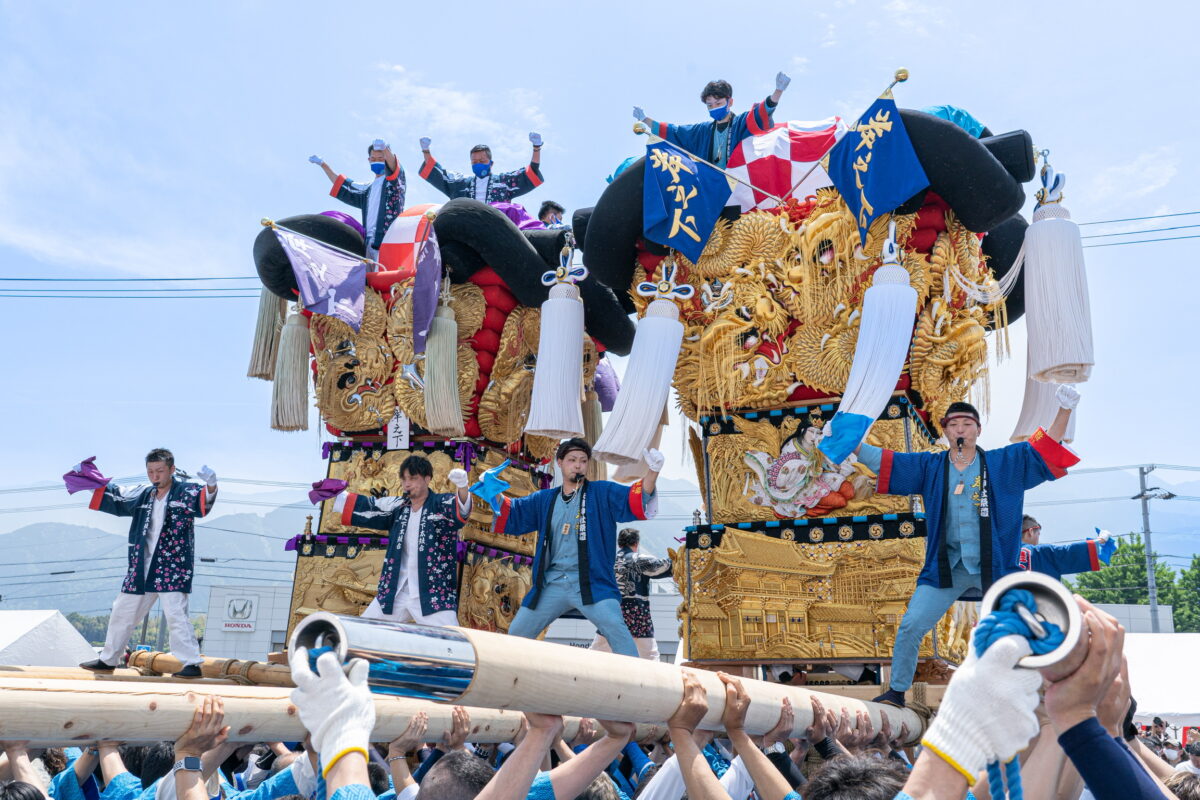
(320, 162)
(513, 780)
(769, 781)
(698, 777)
(1068, 398)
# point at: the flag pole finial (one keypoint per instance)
(639, 128)
(901, 75)
(266, 222)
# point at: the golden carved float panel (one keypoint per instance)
(756, 598)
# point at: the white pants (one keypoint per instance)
(130, 609)
(647, 646)
(410, 611)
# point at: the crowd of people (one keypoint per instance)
(1070, 736)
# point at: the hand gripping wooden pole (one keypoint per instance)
(497, 671)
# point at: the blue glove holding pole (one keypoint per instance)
(490, 486)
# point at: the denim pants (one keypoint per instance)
(558, 597)
(926, 607)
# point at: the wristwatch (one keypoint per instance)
(187, 764)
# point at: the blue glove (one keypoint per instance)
(316, 160)
(1108, 546)
(490, 486)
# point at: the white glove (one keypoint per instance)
(1067, 396)
(206, 474)
(1103, 536)
(781, 81)
(535, 139)
(638, 114)
(425, 142)
(458, 477)
(379, 144)
(987, 712)
(316, 160)
(335, 708)
(654, 459)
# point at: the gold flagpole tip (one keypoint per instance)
(267, 223)
(639, 128)
(431, 216)
(901, 75)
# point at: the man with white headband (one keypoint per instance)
(973, 512)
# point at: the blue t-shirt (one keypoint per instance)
(564, 540)
(962, 517)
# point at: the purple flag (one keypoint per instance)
(84, 477)
(331, 282)
(425, 289)
(325, 489)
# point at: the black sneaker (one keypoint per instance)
(190, 671)
(97, 666)
(891, 698)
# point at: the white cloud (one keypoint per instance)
(456, 118)
(1147, 173)
(799, 65)
(829, 38)
(912, 17)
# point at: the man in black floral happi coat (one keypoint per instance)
(161, 554)
(634, 571)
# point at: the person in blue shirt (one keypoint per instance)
(1056, 560)
(714, 140)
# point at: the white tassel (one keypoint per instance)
(555, 410)
(593, 426)
(636, 470)
(1057, 309)
(271, 311)
(1039, 407)
(289, 395)
(646, 386)
(442, 408)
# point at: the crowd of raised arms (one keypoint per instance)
(1072, 736)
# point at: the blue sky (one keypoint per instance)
(147, 140)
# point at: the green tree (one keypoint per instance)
(91, 628)
(1124, 579)
(1187, 598)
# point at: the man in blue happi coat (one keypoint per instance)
(1056, 560)
(714, 141)
(973, 510)
(576, 545)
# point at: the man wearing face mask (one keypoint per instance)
(484, 185)
(973, 512)
(380, 201)
(551, 215)
(715, 140)
(576, 549)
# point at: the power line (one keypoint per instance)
(1138, 241)
(1079, 500)
(1092, 236)
(1139, 219)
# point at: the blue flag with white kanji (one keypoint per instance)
(874, 165)
(681, 199)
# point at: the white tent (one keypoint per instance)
(1161, 666)
(41, 638)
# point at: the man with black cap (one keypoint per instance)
(973, 511)
(576, 545)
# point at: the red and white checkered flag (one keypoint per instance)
(776, 160)
(401, 243)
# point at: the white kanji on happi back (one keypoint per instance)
(775, 161)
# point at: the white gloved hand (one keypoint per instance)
(638, 114)
(458, 477)
(207, 475)
(781, 81)
(987, 712)
(425, 142)
(316, 160)
(1067, 396)
(379, 144)
(535, 139)
(337, 709)
(654, 459)
(1103, 536)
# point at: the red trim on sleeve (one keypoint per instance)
(97, 496)
(1094, 555)
(637, 503)
(457, 510)
(1057, 457)
(501, 520)
(337, 185)
(534, 178)
(348, 509)
(885, 472)
(752, 123)
(203, 500)
(426, 166)
(662, 130)
(396, 173)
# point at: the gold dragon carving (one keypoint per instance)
(353, 368)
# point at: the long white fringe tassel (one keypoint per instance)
(885, 330)
(637, 413)
(1038, 409)
(271, 311)
(442, 408)
(289, 394)
(555, 409)
(1057, 309)
(635, 470)
(593, 426)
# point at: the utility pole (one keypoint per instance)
(1151, 584)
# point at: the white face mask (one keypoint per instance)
(1171, 755)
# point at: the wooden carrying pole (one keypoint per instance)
(48, 711)
(256, 672)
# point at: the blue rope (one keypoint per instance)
(1005, 621)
